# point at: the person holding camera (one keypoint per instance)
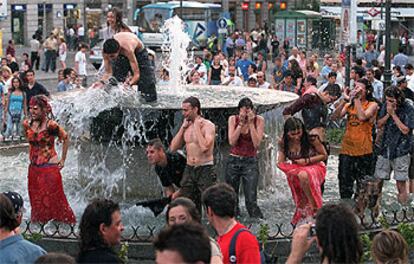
(356, 155)
(246, 132)
(232, 79)
(336, 234)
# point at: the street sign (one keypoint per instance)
(378, 25)
(373, 12)
(222, 23)
(222, 31)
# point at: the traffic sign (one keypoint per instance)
(222, 23)
(222, 31)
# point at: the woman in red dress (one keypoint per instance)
(306, 172)
(46, 194)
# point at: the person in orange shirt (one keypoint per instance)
(356, 156)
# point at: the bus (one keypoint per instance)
(199, 18)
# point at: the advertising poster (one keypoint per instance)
(291, 31)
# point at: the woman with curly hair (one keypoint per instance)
(47, 198)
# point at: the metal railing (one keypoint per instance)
(148, 232)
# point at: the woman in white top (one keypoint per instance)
(63, 51)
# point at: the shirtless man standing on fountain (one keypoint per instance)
(124, 54)
(198, 134)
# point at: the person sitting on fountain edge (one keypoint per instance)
(168, 166)
(198, 134)
(125, 53)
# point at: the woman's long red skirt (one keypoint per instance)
(316, 174)
(47, 197)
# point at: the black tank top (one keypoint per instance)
(216, 73)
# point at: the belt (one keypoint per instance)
(242, 157)
(208, 163)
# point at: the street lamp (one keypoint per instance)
(181, 9)
(387, 71)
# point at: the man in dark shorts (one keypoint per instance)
(124, 54)
(198, 134)
(168, 166)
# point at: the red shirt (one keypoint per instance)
(247, 247)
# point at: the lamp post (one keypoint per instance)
(44, 21)
(181, 9)
(387, 71)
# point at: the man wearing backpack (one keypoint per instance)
(236, 242)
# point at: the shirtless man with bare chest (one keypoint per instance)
(125, 55)
(198, 134)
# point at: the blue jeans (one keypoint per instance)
(16, 127)
(245, 169)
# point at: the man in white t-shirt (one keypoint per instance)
(81, 33)
(232, 79)
(261, 81)
(295, 54)
(80, 63)
(201, 68)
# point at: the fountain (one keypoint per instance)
(109, 128)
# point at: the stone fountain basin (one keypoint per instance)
(121, 124)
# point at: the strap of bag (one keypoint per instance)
(232, 250)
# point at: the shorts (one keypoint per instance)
(411, 170)
(399, 165)
(62, 57)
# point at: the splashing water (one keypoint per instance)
(175, 56)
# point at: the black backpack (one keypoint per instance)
(264, 257)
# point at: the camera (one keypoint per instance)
(312, 231)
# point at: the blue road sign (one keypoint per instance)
(222, 23)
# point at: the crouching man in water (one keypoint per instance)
(125, 53)
(198, 135)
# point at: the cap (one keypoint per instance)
(401, 79)
(16, 200)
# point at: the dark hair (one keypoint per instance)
(245, 102)
(296, 70)
(52, 258)
(332, 74)
(408, 66)
(395, 92)
(8, 217)
(359, 70)
(119, 24)
(288, 73)
(156, 143)
(311, 80)
(337, 232)
(222, 199)
(254, 67)
(401, 49)
(30, 70)
(292, 124)
(25, 54)
(188, 205)
(111, 46)
(12, 89)
(96, 213)
(333, 89)
(189, 240)
(67, 72)
(194, 102)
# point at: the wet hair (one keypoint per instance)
(156, 144)
(369, 91)
(333, 89)
(311, 80)
(295, 68)
(8, 217)
(189, 240)
(389, 246)
(337, 233)
(222, 199)
(288, 73)
(188, 205)
(395, 92)
(96, 213)
(119, 24)
(194, 102)
(292, 124)
(111, 46)
(52, 258)
(245, 102)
